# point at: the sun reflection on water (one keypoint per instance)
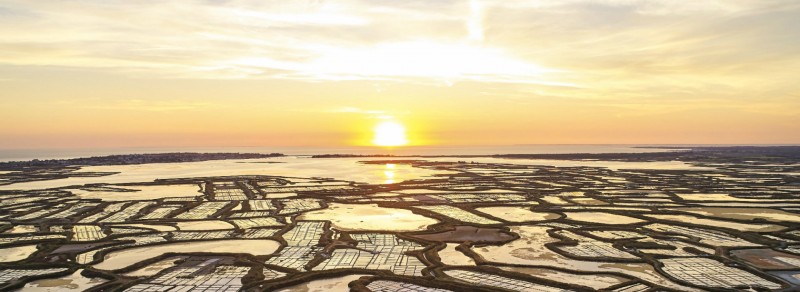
(389, 173)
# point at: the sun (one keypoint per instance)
(390, 133)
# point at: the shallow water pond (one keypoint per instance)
(355, 217)
(75, 282)
(140, 192)
(204, 225)
(17, 253)
(126, 257)
(325, 285)
(601, 218)
(596, 281)
(155, 268)
(452, 257)
(517, 214)
(743, 213)
(720, 223)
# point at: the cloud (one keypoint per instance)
(605, 48)
(350, 40)
(655, 7)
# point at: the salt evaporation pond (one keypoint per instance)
(517, 214)
(17, 253)
(325, 285)
(601, 218)
(72, 282)
(140, 192)
(720, 223)
(360, 217)
(530, 250)
(126, 257)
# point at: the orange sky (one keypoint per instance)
(279, 73)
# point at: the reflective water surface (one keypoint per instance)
(354, 217)
(13, 254)
(340, 168)
(126, 257)
(72, 282)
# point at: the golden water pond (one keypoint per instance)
(126, 257)
(360, 217)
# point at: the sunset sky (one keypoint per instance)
(117, 73)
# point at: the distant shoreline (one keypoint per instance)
(670, 153)
(129, 159)
(676, 153)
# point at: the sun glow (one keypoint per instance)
(390, 133)
(452, 61)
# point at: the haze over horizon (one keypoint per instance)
(96, 74)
